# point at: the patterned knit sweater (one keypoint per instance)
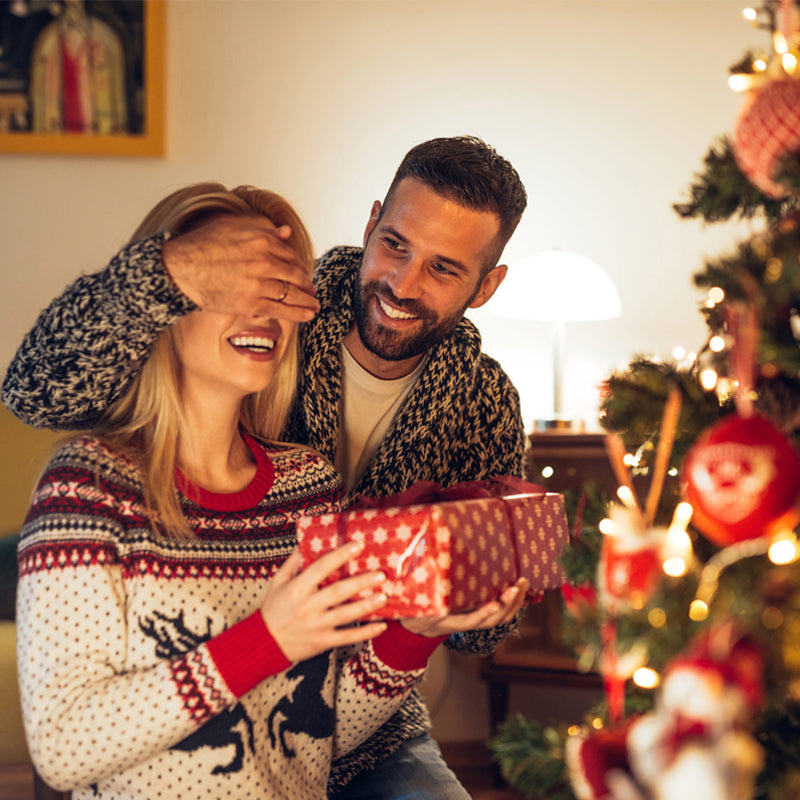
(460, 422)
(146, 669)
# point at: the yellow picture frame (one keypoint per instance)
(149, 143)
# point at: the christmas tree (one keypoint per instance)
(684, 589)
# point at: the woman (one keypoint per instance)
(169, 644)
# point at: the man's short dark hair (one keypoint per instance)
(468, 171)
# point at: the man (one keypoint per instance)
(394, 388)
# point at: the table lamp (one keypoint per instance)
(559, 287)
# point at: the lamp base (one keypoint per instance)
(558, 425)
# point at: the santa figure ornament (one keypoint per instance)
(742, 477)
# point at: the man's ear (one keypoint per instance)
(372, 221)
(489, 285)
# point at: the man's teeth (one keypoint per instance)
(258, 343)
(394, 313)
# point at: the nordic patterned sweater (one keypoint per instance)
(146, 669)
(460, 422)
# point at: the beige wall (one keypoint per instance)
(606, 109)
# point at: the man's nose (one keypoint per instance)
(406, 279)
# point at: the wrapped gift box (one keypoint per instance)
(451, 555)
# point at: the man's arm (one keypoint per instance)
(87, 345)
(91, 341)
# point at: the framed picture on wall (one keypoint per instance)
(82, 76)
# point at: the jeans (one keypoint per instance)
(415, 772)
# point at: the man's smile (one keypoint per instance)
(392, 312)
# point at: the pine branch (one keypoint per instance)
(721, 191)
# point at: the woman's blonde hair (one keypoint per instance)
(145, 423)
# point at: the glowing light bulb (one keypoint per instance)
(740, 82)
(698, 610)
(657, 617)
(783, 549)
(629, 460)
(679, 353)
(547, 472)
(779, 43)
(574, 730)
(760, 64)
(716, 344)
(646, 678)
(682, 514)
(674, 567)
(789, 61)
(708, 379)
(716, 294)
(750, 14)
(607, 527)
(597, 723)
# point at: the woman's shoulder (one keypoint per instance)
(88, 453)
(299, 469)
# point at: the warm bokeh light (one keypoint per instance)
(716, 344)
(708, 379)
(646, 678)
(657, 617)
(674, 566)
(698, 610)
(783, 549)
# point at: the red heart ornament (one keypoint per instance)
(742, 478)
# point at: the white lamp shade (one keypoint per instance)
(555, 285)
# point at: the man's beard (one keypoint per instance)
(392, 345)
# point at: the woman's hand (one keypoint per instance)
(493, 613)
(306, 620)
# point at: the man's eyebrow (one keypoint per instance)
(452, 262)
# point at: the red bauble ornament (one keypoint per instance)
(742, 477)
(768, 129)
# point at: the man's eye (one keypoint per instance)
(391, 243)
(443, 269)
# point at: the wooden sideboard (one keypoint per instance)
(559, 461)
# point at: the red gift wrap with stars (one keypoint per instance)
(454, 552)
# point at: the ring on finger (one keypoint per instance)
(284, 293)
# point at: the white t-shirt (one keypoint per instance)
(369, 405)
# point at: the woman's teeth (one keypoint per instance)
(258, 344)
(394, 313)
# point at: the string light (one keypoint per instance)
(760, 64)
(646, 678)
(783, 548)
(657, 617)
(740, 82)
(750, 14)
(678, 544)
(716, 295)
(708, 379)
(716, 344)
(698, 610)
(789, 61)
(607, 527)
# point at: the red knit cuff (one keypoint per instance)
(402, 650)
(246, 653)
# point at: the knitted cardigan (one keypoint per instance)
(461, 421)
(146, 669)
